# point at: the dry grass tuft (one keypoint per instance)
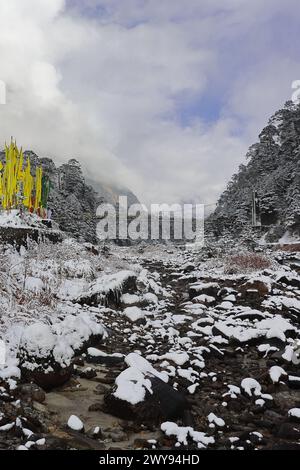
(246, 262)
(291, 248)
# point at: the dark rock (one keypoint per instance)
(225, 291)
(289, 431)
(31, 392)
(270, 414)
(108, 360)
(141, 444)
(117, 436)
(106, 380)
(82, 441)
(164, 403)
(19, 236)
(285, 399)
(188, 267)
(294, 382)
(54, 443)
(87, 373)
(210, 289)
(50, 380)
(250, 316)
(78, 361)
(290, 281)
(285, 446)
(256, 288)
(100, 389)
(96, 407)
(95, 433)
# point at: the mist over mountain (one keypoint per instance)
(110, 192)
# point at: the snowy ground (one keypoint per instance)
(14, 218)
(136, 329)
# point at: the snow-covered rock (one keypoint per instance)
(184, 434)
(276, 373)
(179, 358)
(294, 413)
(141, 392)
(215, 420)
(134, 314)
(46, 351)
(130, 299)
(75, 423)
(34, 284)
(108, 289)
(251, 386)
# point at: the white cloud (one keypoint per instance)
(264, 89)
(108, 90)
(39, 114)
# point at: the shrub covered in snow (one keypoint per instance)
(47, 349)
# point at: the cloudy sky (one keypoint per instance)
(163, 96)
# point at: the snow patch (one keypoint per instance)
(183, 433)
(133, 313)
(75, 423)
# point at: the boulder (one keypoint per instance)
(31, 392)
(163, 404)
(188, 267)
(294, 382)
(87, 373)
(290, 281)
(294, 415)
(289, 431)
(141, 394)
(48, 380)
(108, 289)
(252, 290)
(46, 352)
(95, 356)
(208, 288)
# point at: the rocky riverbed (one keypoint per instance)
(157, 348)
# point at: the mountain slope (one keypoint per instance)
(73, 201)
(273, 171)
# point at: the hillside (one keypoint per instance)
(73, 198)
(272, 169)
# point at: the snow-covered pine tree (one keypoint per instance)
(272, 170)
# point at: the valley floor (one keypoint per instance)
(149, 347)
